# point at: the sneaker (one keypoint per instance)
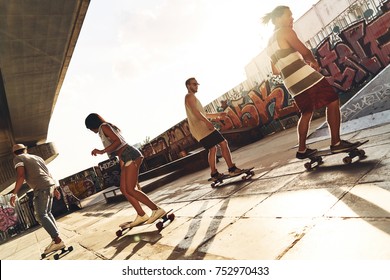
(156, 214)
(139, 220)
(54, 247)
(216, 176)
(343, 146)
(234, 171)
(306, 154)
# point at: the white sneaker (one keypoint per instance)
(54, 247)
(156, 214)
(139, 220)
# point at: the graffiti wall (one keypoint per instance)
(80, 185)
(257, 106)
(14, 220)
(360, 53)
(110, 172)
(8, 218)
(171, 145)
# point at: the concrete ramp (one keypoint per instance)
(368, 108)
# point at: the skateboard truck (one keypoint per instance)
(246, 174)
(162, 222)
(57, 255)
(316, 159)
(167, 218)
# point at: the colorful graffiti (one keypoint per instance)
(172, 144)
(364, 51)
(10, 223)
(80, 185)
(259, 106)
(110, 172)
(180, 140)
(256, 107)
(8, 217)
(80, 189)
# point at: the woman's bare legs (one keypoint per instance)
(129, 182)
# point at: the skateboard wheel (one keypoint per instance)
(43, 255)
(347, 160)
(171, 217)
(362, 153)
(56, 256)
(160, 225)
(308, 166)
(70, 248)
(119, 233)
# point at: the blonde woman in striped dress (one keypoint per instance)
(299, 70)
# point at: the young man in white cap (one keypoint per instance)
(33, 170)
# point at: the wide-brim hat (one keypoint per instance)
(18, 147)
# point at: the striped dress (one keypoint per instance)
(297, 75)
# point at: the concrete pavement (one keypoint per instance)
(336, 212)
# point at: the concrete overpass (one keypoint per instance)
(37, 40)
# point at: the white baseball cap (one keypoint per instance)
(18, 147)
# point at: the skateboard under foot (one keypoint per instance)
(245, 175)
(56, 256)
(161, 223)
(316, 159)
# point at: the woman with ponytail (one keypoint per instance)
(130, 162)
(299, 70)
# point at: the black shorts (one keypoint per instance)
(211, 140)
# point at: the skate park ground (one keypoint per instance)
(335, 212)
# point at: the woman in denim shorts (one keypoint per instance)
(130, 161)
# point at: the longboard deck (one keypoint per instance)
(328, 152)
(160, 223)
(353, 152)
(57, 255)
(247, 171)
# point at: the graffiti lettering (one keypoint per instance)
(257, 107)
(378, 38)
(378, 95)
(363, 52)
(108, 164)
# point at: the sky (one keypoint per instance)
(131, 61)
